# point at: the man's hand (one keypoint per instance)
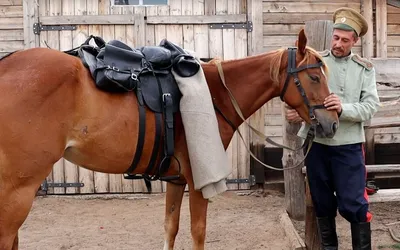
(293, 116)
(332, 102)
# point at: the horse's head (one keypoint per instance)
(304, 86)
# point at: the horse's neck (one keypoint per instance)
(250, 83)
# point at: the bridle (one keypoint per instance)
(292, 71)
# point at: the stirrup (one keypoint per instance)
(171, 177)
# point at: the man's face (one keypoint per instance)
(342, 42)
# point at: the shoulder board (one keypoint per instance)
(363, 62)
(324, 53)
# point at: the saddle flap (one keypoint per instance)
(159, 57)
(88, 55)
(184, 64)
(122, 57)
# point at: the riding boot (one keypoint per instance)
(361, 236)
(327, 233)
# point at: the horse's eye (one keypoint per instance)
(314, 78)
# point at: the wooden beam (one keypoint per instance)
(294, 180)
(387, 116)
(312, 240)
(10, 2)
(197, 19)
(368, 39)
(130, 19)
(255, 37)
(387, 71)
(320, 35)
(30, 14)
(257, 120)
(387, 168)
(381, 28)
(385, 195)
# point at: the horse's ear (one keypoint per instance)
(301, 43)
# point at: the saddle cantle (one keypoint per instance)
(116, 67)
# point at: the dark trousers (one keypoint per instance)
(337, 176)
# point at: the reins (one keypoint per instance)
(291, 71)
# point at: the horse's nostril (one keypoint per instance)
(334, 127)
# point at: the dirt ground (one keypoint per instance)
(236, 220)
(383, 214)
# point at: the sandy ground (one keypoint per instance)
(234, 222)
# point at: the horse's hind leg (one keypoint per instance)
(174, 198)
(17, 192)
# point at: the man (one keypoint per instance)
(335, 167)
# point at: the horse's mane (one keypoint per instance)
(276, 61)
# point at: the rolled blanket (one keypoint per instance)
(208, 158)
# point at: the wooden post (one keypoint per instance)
(311, 240)
(367, 40)
(319, 34)
(368, 52)
(381, 28)
(257, 120)
(294, 179)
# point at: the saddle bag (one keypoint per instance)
(118, 67)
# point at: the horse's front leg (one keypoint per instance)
(15, 245)
(198, 215)
(174, 198)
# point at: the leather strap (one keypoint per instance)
(156, 147)
(307, 142)
(142, 131)
(239, 112)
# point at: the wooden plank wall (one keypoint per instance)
(282, 20)
(11, 26)
(387, 39)
(225, 44)
(393, 31)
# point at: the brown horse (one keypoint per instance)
(51, 108)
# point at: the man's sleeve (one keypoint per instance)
(368, 104)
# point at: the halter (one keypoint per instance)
(292, 71)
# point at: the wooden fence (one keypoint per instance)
(194, 25)
(188, 23)
(281, 22)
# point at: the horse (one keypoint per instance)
(50, 108)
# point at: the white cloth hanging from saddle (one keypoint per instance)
(208, 158)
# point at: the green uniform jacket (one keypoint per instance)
(352, 78)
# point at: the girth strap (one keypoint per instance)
(142, 131)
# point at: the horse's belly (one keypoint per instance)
(110, 146)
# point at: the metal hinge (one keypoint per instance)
(38, 27)
(251, 180)
(45, 185)
(247, 25)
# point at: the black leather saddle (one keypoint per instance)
(147, 71)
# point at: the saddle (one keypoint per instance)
(147, 71)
